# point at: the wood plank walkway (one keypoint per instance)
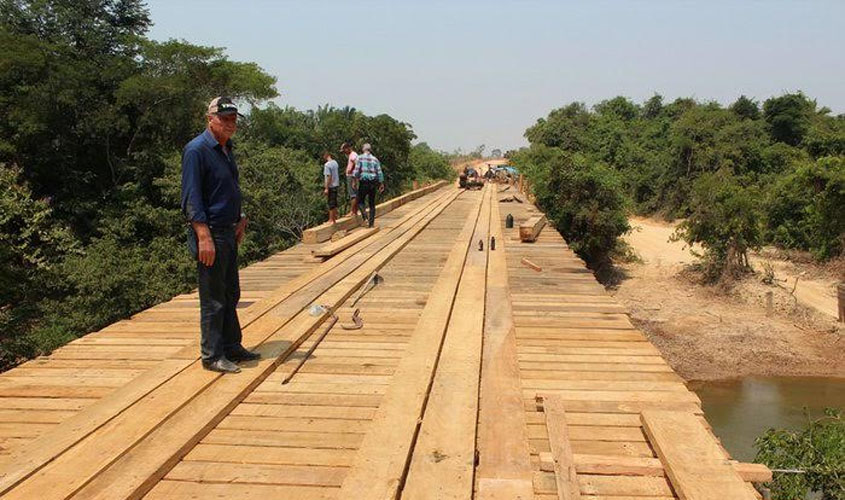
(461, 343)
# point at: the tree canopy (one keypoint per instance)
(95, 117)
(742, 176)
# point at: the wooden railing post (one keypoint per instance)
(841, 297)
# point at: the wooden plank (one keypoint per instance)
(443, 461)
(138, 469)
(242, 454)
(183, 490)
(614, 465)
(697, 468)
(530, 229)
(531, 265)
(564, 465)
(384, 454)
(504, 463)
(324, 232)
(335, 247)
(26, 460)
(90, 456)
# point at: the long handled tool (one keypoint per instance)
(313, 346)
(373, 280)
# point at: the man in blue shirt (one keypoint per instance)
(211, 203)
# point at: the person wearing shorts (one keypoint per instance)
(331, 183)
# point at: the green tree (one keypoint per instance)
(565, 128)
(746, 108)
(804, 208)
(429, 164)
(582, 198)
(788, 117)
(724, 221)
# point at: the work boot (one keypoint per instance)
(239, 353)
(221, 365)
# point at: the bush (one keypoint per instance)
(429, 164)
(582, 198)
(724, 221)
(817, 450)
(283, 195)
(804, 208)
(32, 245)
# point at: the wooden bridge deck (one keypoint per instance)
(473, 376)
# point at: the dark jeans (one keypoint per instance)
(220, 290)
(367, 190)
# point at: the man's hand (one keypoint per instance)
(326, 191)
(381, 188)
(240, 230)
(205, 244)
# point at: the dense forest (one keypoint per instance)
(95, 117)
(741, 176)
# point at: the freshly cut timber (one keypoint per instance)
(504, 459)
(530, 229)
(341, 244)
(694, 462)
(383, 456)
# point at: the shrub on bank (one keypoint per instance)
(813, 458)
(583, 199)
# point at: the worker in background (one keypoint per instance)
(352, 158)
(331, 182)
(211, 204)
(369, 178)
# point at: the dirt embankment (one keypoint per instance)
(708, 332)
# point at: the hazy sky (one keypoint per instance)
(472, 72)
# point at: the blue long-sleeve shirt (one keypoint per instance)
(210, 190)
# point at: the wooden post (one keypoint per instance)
(841, 297)
(416, 185)
(769, 303)
(521, 179)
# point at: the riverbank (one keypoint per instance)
(713, 333)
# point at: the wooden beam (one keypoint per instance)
(530, 229)
(697, 468)
(383, 456)
(614, 465)
(527, 263)
(444, 456)
(335, 247)
(324, 232)
(564, 464)
(504, 461)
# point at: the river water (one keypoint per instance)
(740, 410)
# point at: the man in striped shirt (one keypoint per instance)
(369, 177)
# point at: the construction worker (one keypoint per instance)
(331, 182)
(211, 204)
(352, 157)
(369, 177)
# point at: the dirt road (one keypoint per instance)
(650, 238)
(709, 333)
